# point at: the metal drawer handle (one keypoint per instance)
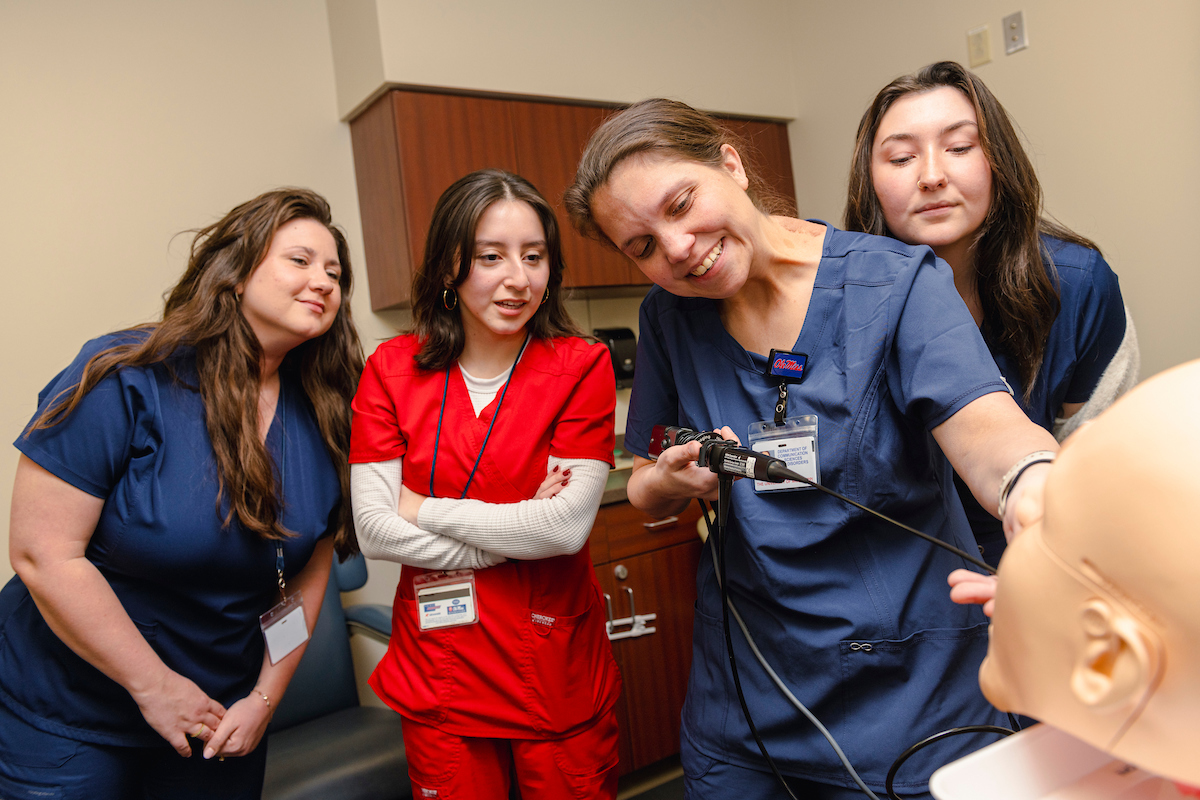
(636, 622)
(661, 523)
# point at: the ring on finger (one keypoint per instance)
(199, 731)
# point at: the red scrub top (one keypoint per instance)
(538, 663)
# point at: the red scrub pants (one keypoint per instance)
(443, 766)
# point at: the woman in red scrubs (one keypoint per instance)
(481, 441)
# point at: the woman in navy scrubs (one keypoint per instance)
(852, 613)
(938, 162)
(178, 479)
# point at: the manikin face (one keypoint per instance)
(1097, 612)
(932, 178)
(509, 273)
(690, 227)
(294, 295)
(1016, 675)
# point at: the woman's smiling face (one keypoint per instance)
(687, 225)
(930, 173)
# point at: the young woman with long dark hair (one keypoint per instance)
(481, 444)
(178, 480)
(937, 161)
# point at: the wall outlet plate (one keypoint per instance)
(979, 46)
(1015, 37)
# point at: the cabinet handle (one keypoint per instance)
(636, 622)
(661, 523)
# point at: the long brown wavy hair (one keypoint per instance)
(1017, 291)
(450, 251)
(202, 312)
(667, 127)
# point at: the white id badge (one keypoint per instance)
(284, 628)
(794, 442)
(446, 599)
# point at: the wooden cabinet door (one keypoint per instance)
(769, 152)
(549, 138)
(630, 531)
(408, 148)
(654, 667)
(441, 139)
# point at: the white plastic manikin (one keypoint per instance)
(1096, 625)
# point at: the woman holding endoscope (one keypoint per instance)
(871, 351)
(938, 162)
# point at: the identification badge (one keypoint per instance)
(446, 599)
(284, 628)
(795, 443)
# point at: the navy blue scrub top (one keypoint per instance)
(193, 588)
(853, 613)
(1083, 340)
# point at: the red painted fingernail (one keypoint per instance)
(564, 483)
(566, 472)
(555, 469)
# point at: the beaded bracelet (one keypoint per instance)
(1013, 475)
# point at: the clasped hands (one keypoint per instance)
(178, 709)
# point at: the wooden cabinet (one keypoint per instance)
(656, 561)
(410, 145)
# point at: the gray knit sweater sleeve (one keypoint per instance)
(384, 534)
(530, 529)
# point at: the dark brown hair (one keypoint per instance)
(450, 251)
(667, 127)
(202, 312)
(1018, 294)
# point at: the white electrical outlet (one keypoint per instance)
(979, 46)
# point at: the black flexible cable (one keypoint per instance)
(717, 537)
(796, 476)
(937, 737)
(724, 489)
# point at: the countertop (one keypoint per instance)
(614, 489)
(618, 476)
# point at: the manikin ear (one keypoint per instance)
(1119, 661)
(732, 162)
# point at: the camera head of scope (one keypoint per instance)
(664, 436)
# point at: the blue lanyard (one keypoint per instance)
(441, 413)
(280, 408)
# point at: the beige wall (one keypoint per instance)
(717, 54)
(1107, 94)
(125, 123)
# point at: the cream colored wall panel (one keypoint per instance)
(732, 57)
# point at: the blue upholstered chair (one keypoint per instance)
(322, 743)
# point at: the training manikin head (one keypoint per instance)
(1096, 628)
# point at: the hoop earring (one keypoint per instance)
(546, 296)
(449, 299)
